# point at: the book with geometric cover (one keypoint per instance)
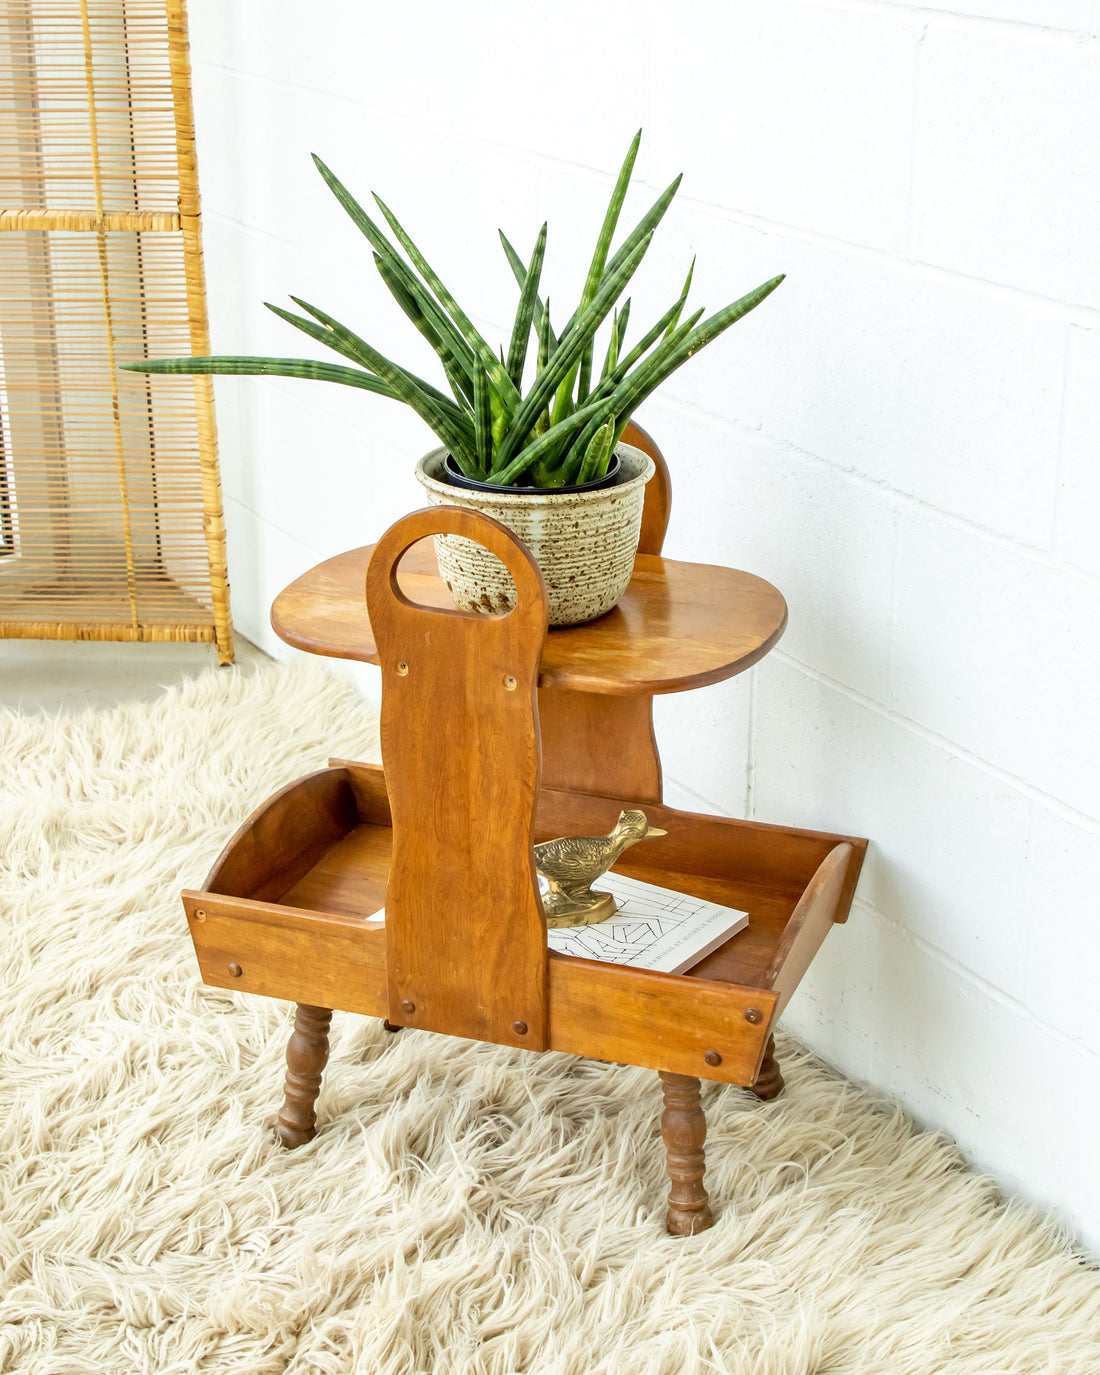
(653, 928)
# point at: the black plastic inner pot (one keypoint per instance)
(455, 476)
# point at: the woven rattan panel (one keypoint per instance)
(110, 508)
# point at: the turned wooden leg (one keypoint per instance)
(391, 1027)
(306, 1056)
(684, 1128)
(769, 1082)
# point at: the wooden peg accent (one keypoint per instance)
(769, 1082)
(306, 1057)
(684, 1129)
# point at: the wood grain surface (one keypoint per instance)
(678, 625)
(306, 1057)
(465, 932)
(768, 1084)
(684, 1129)
(314, 943)
(321, 958)
(658, 491)
(604, 745)
(809, 924)
(660, 1021)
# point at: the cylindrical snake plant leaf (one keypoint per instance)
(568, 351)
(393, 372)
(599, 256)
(520, 274)
(483, 424)
(240, 365)
(543, 443)
(683, 298)
(598, 454)
(528, 299)
(496, 370)
(457, 365)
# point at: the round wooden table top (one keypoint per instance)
(677, 626)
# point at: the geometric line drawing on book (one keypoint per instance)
(653, 928)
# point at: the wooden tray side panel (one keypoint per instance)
(780, 858)
(285, 837)
(466, 936)
(810, 922)
(785, 858)
(368, 783)
(660, 1021)
(304, 957)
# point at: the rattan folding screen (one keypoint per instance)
(110, 505)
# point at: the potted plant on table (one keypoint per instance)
(531, 436)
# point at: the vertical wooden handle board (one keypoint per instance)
(465, 930)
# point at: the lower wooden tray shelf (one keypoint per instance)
(286, 912)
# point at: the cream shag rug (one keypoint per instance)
(465, 1209)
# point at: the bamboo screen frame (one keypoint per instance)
(111, 523)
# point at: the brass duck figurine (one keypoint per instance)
(572, 864)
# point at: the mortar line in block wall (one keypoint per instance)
(1082, 820)
(892, 646)
(266, 525)
(1057, 517)
(1087, 315)
(952, 19)
(224, 221)
(914, 125)
(699, 803)
(1073, 311)
(1046, 557)
(967, 975)
(351, 107)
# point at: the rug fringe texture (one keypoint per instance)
(465, 1209)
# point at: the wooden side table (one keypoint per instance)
(443, 837)
(678, 626)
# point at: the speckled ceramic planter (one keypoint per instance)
(583, 542)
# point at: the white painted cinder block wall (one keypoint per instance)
(905, 439)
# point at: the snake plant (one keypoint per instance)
(564, 428)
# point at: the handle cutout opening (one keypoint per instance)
(452, 561)
(419, 577)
